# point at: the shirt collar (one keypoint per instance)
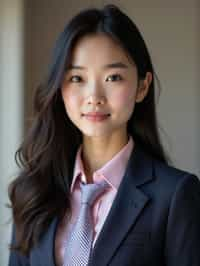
(113, 171)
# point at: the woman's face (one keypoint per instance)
(101, 79)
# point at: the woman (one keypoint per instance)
(95, 127)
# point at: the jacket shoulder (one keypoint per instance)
(168, 178)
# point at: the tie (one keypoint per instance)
(79, 244)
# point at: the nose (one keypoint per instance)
(96, 100)
(96, 96)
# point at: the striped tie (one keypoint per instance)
(79, 244)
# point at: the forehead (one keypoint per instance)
(98, 47)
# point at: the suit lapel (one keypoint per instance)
(128, 204)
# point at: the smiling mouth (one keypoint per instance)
(96, 117)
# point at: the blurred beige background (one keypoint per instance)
(28, 30)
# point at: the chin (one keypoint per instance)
(97, 134)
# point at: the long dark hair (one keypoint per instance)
(46, 156)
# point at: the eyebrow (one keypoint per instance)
(108, 66)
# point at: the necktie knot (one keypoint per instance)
(89, 192)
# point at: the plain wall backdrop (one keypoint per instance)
(171, 31)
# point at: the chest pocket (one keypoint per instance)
(137, 239)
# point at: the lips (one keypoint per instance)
(96, 116)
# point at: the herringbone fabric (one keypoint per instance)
(79, 244)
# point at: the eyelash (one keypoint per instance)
(114, 75)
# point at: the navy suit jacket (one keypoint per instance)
(154, 221)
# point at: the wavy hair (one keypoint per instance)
(41, 191)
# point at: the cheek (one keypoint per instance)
(124, 98)
(71, 100)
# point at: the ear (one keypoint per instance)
(143, 87)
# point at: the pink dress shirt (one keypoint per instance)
(113, 172)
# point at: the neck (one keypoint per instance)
(97, 151)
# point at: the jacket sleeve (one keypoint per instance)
(183, 227)
(15, 258)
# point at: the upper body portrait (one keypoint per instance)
(95, 186)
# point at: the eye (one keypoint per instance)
(75, 79)
(115, 77)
